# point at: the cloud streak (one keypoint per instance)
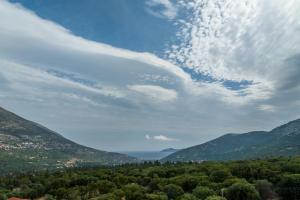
(162, 138)
(155, 92)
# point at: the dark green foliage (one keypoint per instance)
(173, 191)
(202, 192)
(290, 187)
(220, 175)
(242, 191)
(246, 180)
(215, 198)
(134, 191)
(108, 196)
(265, 189)
(3, 197)
(157, 196)
(186, 182)
(187, 197)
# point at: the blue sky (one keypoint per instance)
(147, 75)
(125, 24)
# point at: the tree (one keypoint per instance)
(292, 166)
(242, 191)
(134, 191)
(220, 175)
(157, 196)
(215, 198)
(105, 186)
(289, 187)
(108, 196)
(155, 184)
(173, 191)
(264, 188)
(119, 193)
(61, 193)
(186, 182)
(203, 192)
(187, 197)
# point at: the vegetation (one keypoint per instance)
(25, 145)
(281, 141)
(235, 180)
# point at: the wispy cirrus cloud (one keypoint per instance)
(266, 107)
(162, 8)
(155, 92)
(238, 41)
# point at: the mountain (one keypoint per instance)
(25, 145)
(151, 155)
(169, 150)
(281, 141)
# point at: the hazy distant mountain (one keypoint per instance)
(151, 155)
(281, 141)
(27, 145)
(169, 150)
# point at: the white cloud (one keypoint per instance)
(32, 48)
(40, 37)
(155, 92)
(168, 11)
(160, 138)
(267, 108)
(22, 76)
(239, 40)
(163, 138)
(148, 137)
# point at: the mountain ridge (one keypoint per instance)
(169, 150)
(283, 140)
(28, 145)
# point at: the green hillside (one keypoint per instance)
(25, 145)
(281, 141)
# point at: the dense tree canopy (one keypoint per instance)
(235, 180)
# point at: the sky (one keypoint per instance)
(144, 75)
